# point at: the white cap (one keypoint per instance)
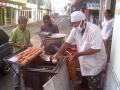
(77, 16)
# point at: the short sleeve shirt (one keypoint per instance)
(92, 38)
(107, 29)
(19, 37)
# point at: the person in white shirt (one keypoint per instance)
(107, 30)
(90, 47)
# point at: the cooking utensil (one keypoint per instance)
(46, 57)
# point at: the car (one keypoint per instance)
(5, 50)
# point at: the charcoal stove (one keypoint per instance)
(41, 74)
(44, 75)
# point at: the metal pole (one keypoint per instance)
(37, 10)
(100, 11)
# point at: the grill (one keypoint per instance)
(37, 73)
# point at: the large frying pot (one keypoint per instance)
(53, 42)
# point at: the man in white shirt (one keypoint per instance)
(90, 47)
(107, 30)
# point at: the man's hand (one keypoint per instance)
(54, 61)
(89, 51)
(55, 58)
(60, 52)
(23, 46)
(29, 45)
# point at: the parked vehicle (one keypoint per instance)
(5, 50)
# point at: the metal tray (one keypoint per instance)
(12, 58)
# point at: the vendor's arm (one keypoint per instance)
(96, 43)
(89, 52)
(63, 48)
(86, 52)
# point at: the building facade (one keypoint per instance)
(9, 9)
(32, 9)
(44, 7)
(94, 8)
(106, 4)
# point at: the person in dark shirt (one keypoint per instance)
(48, 26)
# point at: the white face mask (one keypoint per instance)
(79, 26)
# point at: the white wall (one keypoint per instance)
(34, 10)
(115, 53)
(112, 81)
(113, 74)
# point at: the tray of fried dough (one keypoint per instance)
(25, 56)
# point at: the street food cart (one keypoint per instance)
(40, 74)
(37, 72)
(52, 42)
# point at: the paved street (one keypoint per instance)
(5, 82)
(64, 27)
